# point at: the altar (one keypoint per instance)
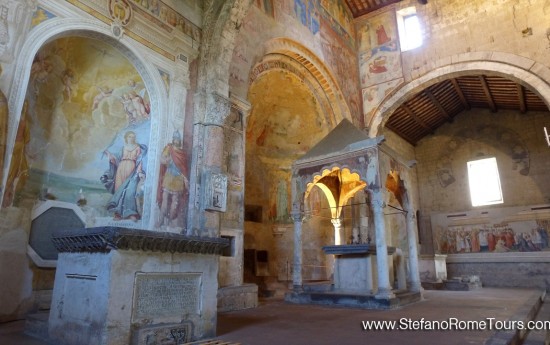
(353, 267)
(380, 275)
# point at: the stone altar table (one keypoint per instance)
(116, 286)
(353, 267)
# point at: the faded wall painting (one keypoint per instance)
(373, 95)
(41, 15)
(307, 12)
(378, 48)
(266, 6)
(501, 237)
(161, 14)
(88, 119)
(339, 18)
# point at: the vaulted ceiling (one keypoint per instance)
(440, 103)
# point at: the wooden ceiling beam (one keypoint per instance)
(521, 98)
(438, 105)
(487, 92)
(460, 94)
(415, 118)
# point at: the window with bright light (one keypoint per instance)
(484, 182)
(410, 33)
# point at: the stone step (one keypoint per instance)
(540, 337)
(525, 313)
(36, 325)
(433, 285)
(212, 342)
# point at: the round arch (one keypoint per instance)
(519, 69)
(284, 53)
(89, 28)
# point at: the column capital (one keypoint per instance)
(297, 216)
(337, 222)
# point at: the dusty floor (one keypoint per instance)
(275, 322)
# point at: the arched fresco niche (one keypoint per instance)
(85, 130)
(285, 121)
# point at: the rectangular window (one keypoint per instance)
(484, 182)
(410, 32)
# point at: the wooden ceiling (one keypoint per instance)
(361, 7)
(440, 103)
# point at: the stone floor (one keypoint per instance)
(275, 322)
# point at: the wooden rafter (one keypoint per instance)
(438, 105)
(460, 94)
(521, 98)
(487, 92)
(416, 119)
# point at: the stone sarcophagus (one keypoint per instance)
(125, 286)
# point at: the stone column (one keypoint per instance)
(414, 274)
(337, 222)
(384, 287)
(297, 273)
(208, 148)
(400, 269)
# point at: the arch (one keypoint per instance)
(284, 53)
(348, 184)
(89, 28)
(519, 69)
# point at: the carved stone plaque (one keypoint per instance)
(159, 295)
(163, 334)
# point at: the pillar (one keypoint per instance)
(384, 287)
(400, 269)
(337, 223)
(297, 272)
(208, 146)
(414, 274)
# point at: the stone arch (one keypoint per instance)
(88, 28)
(222, 21)
(284, 53)
(521, 70)
(336, 198)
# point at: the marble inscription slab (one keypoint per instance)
(160, 295)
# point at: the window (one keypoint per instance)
(410, 33)
(484, 182)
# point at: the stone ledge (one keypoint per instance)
(514, 257)
(105, 239)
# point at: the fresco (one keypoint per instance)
(374, 94)
(41, 15)
(342, 61)
(503, 237)
(340, 19)
(266, 6)
(307, 12)
(158, 12)
(88, 118)
(378, 47)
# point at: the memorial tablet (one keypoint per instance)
(161, 295)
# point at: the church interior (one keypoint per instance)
(328, 160)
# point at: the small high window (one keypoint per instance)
(410, 33)
(484, 182)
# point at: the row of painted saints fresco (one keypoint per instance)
(84, 135)
(495, 239)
